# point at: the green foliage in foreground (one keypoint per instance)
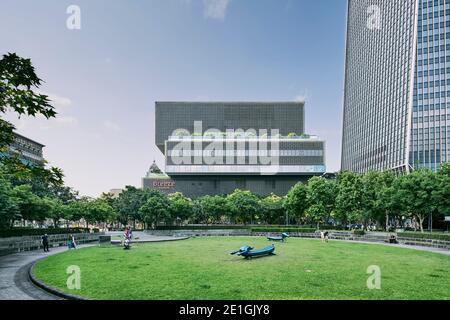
(202, 268)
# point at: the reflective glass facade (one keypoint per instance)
(397, 85)
(430, 144)
(378, 82)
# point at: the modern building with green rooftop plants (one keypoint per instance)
(216, 147)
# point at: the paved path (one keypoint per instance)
(15, 284)
(420, 248)
(144, 237)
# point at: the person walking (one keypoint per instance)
(72, 244)
(45, 242)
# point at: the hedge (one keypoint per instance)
(428, 236)
(20, 232)
(204, 227)
(285, 229)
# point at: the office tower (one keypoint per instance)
(397, 85)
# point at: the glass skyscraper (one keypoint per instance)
(397, 85)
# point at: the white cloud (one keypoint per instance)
(302, 97)
(215, 9)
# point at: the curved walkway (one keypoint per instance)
(16, 285)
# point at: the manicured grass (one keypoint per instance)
(202, 268)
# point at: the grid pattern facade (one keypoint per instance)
(379, 77)
(430, 135)
(29, 151)
(292, 156)
(287, 117)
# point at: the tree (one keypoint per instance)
(97, 211)
(272, 210)
(321, 196)
(214, 208)
(296, 201)
(416, 193)
(44, 182)
(387, 203)
(243, 206)
(29, 205)
(156, 209)
(180, 207)
(57, 210)
(18, 81)
(9, 210)
(129, 202)
(349, 197)
(441, 194)
(75, 210)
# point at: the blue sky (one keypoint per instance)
(105, 77)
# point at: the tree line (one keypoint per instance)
(378, 200)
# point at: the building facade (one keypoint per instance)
(28, 151)
(397, 85)
(216, 147)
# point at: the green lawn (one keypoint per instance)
(202, 268)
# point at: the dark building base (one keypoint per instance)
(197, 186)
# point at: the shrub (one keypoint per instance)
(429, 236)
(359, 232)
(21, 232)
(283, 229)
(203, 227)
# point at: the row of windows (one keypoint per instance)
(435, 3)
(438, 60)
(426, 96)
(436, 37)
(245, 153)
(433, 49)
(435, 72)
(432, 84)
(245, 169)
(435, 14)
